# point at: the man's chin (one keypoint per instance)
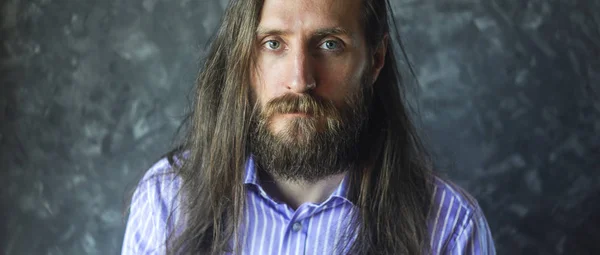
(293, 136)
(297, 125)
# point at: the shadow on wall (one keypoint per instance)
(5, 102)
(3, 228)
(10, 145)
(6, 117)
(583, 237)
(551, 222)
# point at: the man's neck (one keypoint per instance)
(295, 193)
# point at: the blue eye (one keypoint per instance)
(330, 45)
(273, 45)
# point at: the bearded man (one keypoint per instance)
(300, 142)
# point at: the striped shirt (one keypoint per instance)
(456, 223)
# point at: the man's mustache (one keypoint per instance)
(312, 105)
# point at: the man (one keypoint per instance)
(300, 143)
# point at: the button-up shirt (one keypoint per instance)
(456, 223)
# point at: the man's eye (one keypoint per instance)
(331, 45)
(273, 45)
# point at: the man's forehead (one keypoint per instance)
(290, 16)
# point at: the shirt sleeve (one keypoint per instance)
(475, 237)
(146, 230)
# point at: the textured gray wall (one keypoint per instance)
(92, 92)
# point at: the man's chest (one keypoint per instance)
(274, 228)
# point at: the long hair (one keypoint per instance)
(392, 194)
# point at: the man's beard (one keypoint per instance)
(308, 148)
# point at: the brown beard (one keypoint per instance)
(312, 147)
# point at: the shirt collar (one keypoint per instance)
(251, 178)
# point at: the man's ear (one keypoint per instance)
(378, 58)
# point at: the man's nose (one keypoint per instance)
(302, 72)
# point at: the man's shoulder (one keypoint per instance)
(453, 212)
(150, 209)
(160, 172)
(164, 171)
(447, 195)
(160, 181)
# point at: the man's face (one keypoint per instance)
(308, 46)
(311, 74)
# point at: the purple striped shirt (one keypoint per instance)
(456, 223)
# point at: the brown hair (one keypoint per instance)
(392, 193)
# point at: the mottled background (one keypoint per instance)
(92, 92)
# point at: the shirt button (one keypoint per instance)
(297, 226)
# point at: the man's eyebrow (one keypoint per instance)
(319, 33)
(267, 31)
(333, 31)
